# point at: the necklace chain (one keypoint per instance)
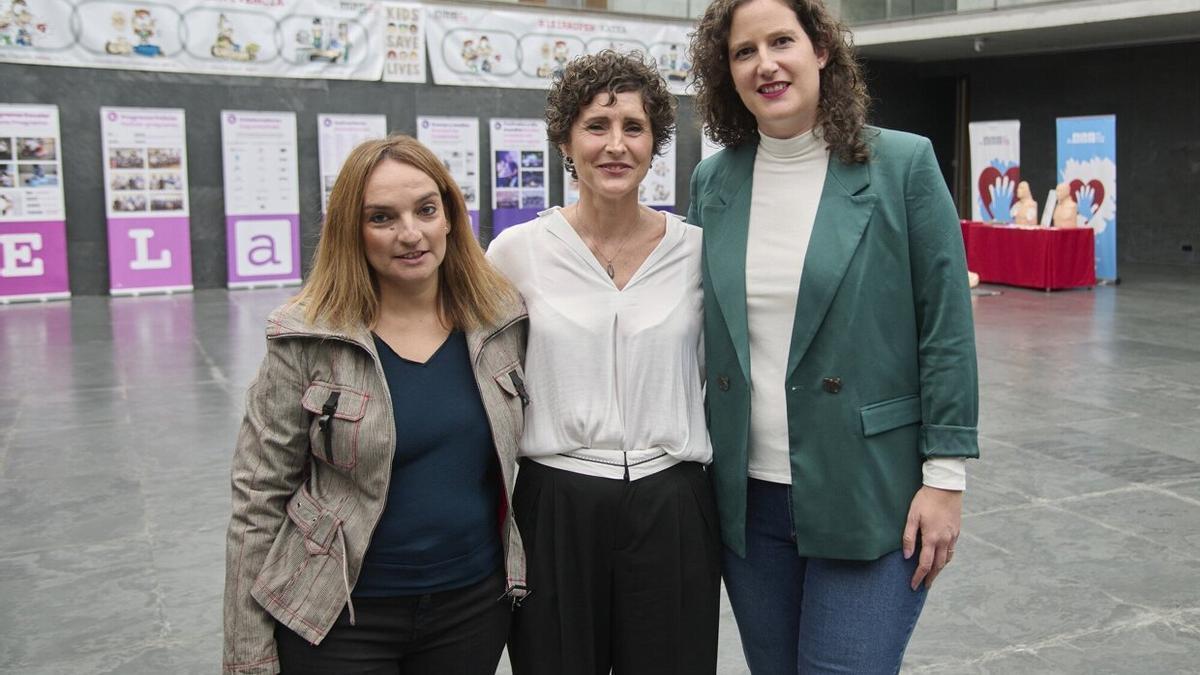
(595, 246)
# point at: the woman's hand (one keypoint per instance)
(936, 516)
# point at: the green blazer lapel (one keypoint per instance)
(726, 218)
(842, 217)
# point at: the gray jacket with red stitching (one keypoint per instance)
(311, 473)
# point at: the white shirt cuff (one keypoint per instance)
(946, 473)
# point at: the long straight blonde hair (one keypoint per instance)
(342, 291)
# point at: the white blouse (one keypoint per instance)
(613, 375)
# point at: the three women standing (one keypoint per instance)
(841, 374)
(612, 497)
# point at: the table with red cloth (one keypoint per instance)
(1046, 258)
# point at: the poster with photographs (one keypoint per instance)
(519, 152)
(337, 135)
(403, 42)
(262, 198)
(656, 190)
(33, 244)
(275, 38)
(455, 140)
(146, 199)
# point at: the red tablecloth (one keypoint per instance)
(1045, 258)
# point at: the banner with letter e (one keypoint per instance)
(33, 222)
(1087, 163)
(995, 169)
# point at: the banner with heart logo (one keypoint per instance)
(1087, 163)
(995, 169)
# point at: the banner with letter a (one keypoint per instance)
(262, 198)
(146, 200)
(995, 169)
(33, 222)
(1087, 163)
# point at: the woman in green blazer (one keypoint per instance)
(842, 387)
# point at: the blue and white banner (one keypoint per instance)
(1087, 163)
(995, 169)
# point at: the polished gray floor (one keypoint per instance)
(1080, 549)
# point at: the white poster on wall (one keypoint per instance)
(519, 157)
(146, 199)
(455, 140)
(275, 38)
(337, 135)
(403, 42)
(262, 198)
(33, 227)
(657, 189)
(995, 169)
(524, 49)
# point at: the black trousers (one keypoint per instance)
(625, 575)
(461, 631)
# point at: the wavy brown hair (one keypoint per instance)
(612, 73)
(342, 291)
(843, 103)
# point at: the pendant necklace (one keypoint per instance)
(612, 272)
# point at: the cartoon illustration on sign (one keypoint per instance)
(673, 65)
(554, 59)
(142, 24)
(324, 42)
(18, 25)
(224, 47)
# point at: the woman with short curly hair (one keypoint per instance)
(612, 497)
(839, 345)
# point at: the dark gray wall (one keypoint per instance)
(1154, 91)
(79, 93)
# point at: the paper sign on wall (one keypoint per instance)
(519, 155)
(455, 141)
(403, 42)
(337, 135)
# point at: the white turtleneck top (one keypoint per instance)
(789, 174)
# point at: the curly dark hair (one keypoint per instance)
(843, 103)
(613, 73)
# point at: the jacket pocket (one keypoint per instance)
(337, 417)
(890, 414)
(305, 556)
(317, 523)
(511, 380)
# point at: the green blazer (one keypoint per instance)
(881, 373)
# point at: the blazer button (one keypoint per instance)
(723, 383)
(832, 384)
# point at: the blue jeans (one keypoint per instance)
(815, 615)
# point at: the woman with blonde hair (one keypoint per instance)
(372, 473)
(839, 341)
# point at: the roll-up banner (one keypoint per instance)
(337, 135)
(657, 189)
(262, 198)
(525, 49)
(519, 155)
(271, 38)
(146, 200)
(995, 169)
(455, 141)
(1087, 163)
(33, 223)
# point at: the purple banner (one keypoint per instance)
(263, 250)
(149, 254)
(502, 219)
(33, 260)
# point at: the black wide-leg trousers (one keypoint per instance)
(625, 575)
